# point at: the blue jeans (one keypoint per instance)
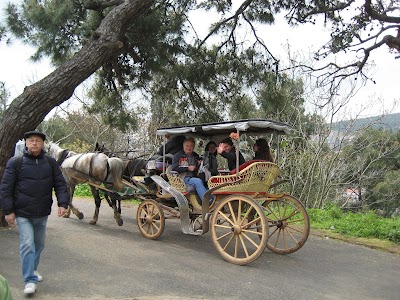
(198, 185)
(32, 235)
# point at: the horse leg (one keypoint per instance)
(119, 206)
(71, 190)
(112, 201)
(71, 206)
(97, 202)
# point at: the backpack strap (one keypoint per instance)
(18, 163)
(51, 162)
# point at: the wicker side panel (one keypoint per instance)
(176, 182)
(257, 177)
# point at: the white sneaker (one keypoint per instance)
(30, 288)
(39, 277)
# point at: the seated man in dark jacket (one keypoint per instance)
(26, 196)
(187, 162)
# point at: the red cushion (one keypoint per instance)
(244, 165)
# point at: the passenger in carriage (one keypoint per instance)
(262, 151)
(210, 157)
(228, 151)
(173, 145)
(209, 165)
(187, 162)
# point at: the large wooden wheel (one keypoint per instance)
(150, 219)
(239, 229)
(289, 224)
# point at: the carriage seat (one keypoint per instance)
(254, 176)
(176, 181)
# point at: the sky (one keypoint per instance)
(17, 71)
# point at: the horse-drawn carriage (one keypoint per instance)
(244, 216)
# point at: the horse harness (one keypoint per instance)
(91, 166)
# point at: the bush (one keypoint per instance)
(83, 190)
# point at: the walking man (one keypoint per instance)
(26, 197)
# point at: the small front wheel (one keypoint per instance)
(239, 229)
(289, 224)
(150, 219)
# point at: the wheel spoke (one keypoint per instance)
(296, 220)
(236, 245)
(253, 232)
(272, 212)
(227, 218)
(232, 213)
(295, 229)
(239, 212)
(277, 237)
(224, 235)
(251, 223)
(155, 226)
(244, 246)
(292, 236)
(284, 239)
(294, 212)
(251, 241)
(223, 226)
(229, 241)
(246, 215)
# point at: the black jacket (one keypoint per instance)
(172, 146)
(231, 157)
(28, 193)
(181, 161)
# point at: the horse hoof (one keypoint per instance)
(80, 216)
(120, 222)
(66, 216)
(92, 222)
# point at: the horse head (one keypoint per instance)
(103, 149)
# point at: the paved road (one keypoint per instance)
(106, 261)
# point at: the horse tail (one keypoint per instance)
(116, 171)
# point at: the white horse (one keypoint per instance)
(19, 148)
(96, 169)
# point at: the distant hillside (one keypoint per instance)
(388, 122)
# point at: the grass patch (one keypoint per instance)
(363, 225)
(83, 190)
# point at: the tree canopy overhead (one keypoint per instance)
(149, 46)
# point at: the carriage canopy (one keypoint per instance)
(254, 126)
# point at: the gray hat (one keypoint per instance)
(38, 133)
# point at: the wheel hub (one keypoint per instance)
(236, 229)
(281, 224)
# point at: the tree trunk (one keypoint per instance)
(29, 109)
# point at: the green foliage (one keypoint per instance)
(367, 224)
(372, 162)
(83, 190)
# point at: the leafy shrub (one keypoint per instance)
(83, 190)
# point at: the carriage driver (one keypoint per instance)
(186, 162)
(26, 196)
